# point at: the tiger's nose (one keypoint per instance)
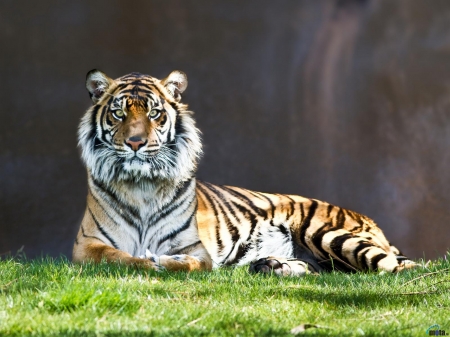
(135, 143)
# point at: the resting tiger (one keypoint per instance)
(145, 207)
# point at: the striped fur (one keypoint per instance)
(140, 146)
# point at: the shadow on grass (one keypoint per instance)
(225, 326)
(168, 333)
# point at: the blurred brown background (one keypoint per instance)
(344, 101)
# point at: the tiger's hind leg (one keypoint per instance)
(283, 266)
(360, 252)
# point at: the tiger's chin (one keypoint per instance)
(138, 169)
(137, 166)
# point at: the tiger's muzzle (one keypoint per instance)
(135, 143)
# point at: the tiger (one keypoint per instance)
(145, 208)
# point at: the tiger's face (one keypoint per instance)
(137, 128)
(138, 123)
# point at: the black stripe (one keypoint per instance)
(263, 197)
(306, 221)
(231, 229)
(179, 127)
(374, 261)
(340, 219)
(362, 244)
(93, 130)
(94, 121)
(358, 219)
(163, 119)
(363, 260)
(355, 217)
(174, 105)
(101, 118)
(329, 208)
(97, 143)
(241, 251)
(291, 208)
(135, 90)
(248, 201)
(177, 231)
(218, 239)
(284, 231)
(113, 134)
(272, 207)
(136, 82)
(317, 237)
(116, 204)
(143, 89)
(104, 211)
(155, 101)
(185, 249)
(337, 243)
(172, 205)
(250, 216)
(222, 198)
(158, 136)
(111, 98)
(257, 194)
(169, 136)
(119, 87)
(89, 236)
(216, 214)
(401, 258)
(110, 121)
(100, 228)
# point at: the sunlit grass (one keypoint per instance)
(53, 297)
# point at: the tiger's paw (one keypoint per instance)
(152, 260)
(407, 264)
(181, 262)
(281, 266)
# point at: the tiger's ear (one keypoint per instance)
(176, 83)
(97, 83)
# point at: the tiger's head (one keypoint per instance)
(138, 129)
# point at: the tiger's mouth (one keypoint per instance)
(137, 156)
(135, 162)
(135, 159)
(155, 162)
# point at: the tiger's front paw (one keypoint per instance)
(180, 262)
(151, 260)
(280, 266)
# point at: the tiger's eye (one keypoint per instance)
(154, 114)
(118, 114)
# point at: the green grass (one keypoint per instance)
(53, 297)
